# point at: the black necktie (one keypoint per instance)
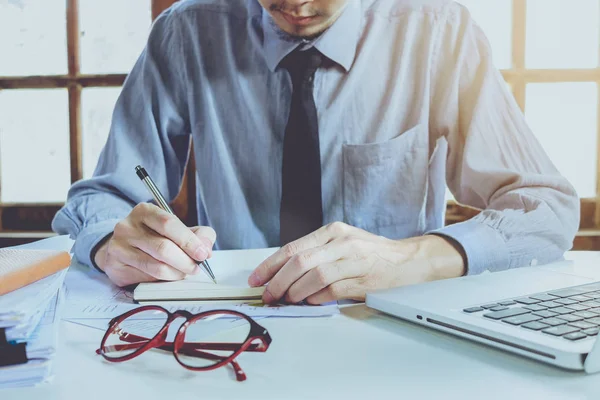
(301, 209)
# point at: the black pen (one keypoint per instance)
(162, 203)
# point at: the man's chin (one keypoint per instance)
(307, 33)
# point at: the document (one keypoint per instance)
(108, 311)
(22, 267)
(92, 297)
(25, 304)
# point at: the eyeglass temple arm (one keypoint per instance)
(192, 349)
(239, 373)
(254, 347)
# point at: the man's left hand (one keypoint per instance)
(339, 262)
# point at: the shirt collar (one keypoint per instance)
(338, 43)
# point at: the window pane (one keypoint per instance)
(495, 18)
(563, 116)
(97, 109)
(34, 146)
(113, 34)
(33, 37)
(562, 33)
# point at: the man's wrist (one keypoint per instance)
(445, 257)
(98, 253)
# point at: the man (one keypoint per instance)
(329, 127)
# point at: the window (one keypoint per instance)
(58, 86)
(63, 63)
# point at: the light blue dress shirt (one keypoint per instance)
(411, 102)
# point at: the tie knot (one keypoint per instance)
(315, 58)
(303, 64)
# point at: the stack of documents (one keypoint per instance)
(29, 323)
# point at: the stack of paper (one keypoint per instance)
(40, 348)
(29, 323)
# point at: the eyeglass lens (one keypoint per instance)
(212, 339)
(133, 332)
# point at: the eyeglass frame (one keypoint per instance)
(257, 332)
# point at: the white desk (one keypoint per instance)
(360, 354)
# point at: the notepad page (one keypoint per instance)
(14, 259)
(231, 268)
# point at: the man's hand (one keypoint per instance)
(150, 245)
(339, 261)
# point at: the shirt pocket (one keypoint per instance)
(385, 184)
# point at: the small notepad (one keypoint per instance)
(19, 267)
(195, 292)
(231, 268)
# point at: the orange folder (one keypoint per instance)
(20, 267)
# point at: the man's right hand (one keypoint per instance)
(151, 245)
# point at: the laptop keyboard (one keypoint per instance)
(572, 314)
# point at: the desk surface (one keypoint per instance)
(359, 354)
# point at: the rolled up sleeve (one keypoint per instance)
(530, 213)
(149, 127)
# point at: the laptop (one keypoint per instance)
(548, 313)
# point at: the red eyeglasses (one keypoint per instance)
(203, 342)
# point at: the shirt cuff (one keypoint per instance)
(484, 247)
(89, 238)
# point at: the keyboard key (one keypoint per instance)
(553, 321)
(508, 303)
(490, 305)
(578, 307)
(535, 326)
(582, 325)
(595, 310)
(566, 301)
(581, 297)
(545, 313)
(560, 330)
(544, 297)
(535, 307)
(591, 303)
(589, 288)
(591, 331)
(527, 300)
(561, 310)
(575, 336)
(521, 319)
(499, 308)
(550, 304)
(569, 317)
(585, 314)
(595, 320)
(593, 295)
(473, 309)
(567, 292)
(506, 313)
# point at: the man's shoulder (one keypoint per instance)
(233, 8)
(391, 8)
